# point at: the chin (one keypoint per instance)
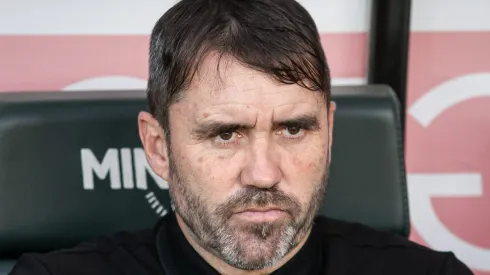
(254, 257)
(258, 246)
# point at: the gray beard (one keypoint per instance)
(269, 241)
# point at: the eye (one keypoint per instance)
(227, 138)
(292, 132)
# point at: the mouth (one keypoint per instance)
(260, 215)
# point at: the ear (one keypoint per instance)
(331, 111)
(154, 143)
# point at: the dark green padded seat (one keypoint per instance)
(72, 167)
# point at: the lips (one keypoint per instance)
(257, 209)
(261, 214)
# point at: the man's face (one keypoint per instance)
(247, 163)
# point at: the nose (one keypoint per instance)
(262, 168)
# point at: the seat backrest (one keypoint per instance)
(72, 167)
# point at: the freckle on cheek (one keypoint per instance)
(199, 159)
(297, 162)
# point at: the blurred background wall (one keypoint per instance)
(100, 44)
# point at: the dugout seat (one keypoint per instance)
(72, 167)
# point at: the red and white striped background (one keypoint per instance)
(95, 44)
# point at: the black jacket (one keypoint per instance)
(334, 248)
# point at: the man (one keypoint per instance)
(240, 125)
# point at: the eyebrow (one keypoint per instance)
(307, 121)
(212, 128)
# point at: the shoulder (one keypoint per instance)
(372, 249)
(133, 251)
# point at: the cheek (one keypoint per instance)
(214, 176)
(310, 161)
(304, 170)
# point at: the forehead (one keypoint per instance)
(222, 81)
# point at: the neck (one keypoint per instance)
(224, 268)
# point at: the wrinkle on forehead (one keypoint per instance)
(262, 117)
(296, 108)
(227, 112)
(233, 85)
(224, 72)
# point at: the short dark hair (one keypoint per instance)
(276, 37)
